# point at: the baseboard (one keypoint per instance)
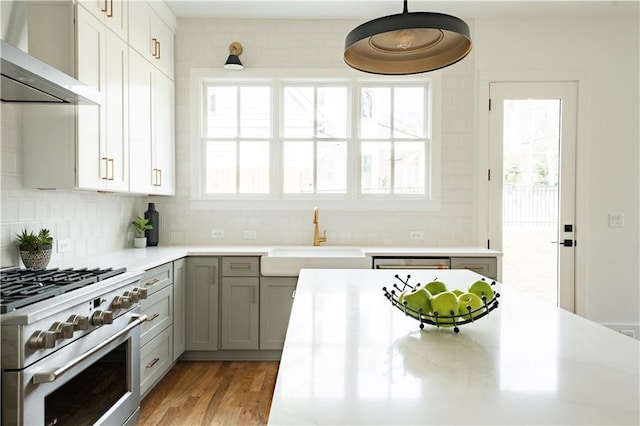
(231, 355)
(631, 330)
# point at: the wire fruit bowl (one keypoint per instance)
(453, 320)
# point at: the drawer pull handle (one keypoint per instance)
(240, 266)
(152, 363)
(152, 282)
(154, 316)
(293, 295)
(110, 14)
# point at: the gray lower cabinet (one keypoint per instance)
(276, 300)
(201, 303)
(179, 311)
(487, 266)
(239, 321)
(156, 347)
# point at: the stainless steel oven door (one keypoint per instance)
(95, 380)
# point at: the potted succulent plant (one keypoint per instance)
(141, 224)
(35, 249)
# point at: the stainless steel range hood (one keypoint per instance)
(27, 79)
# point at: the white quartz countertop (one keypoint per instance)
(352, 358)
(141, 259)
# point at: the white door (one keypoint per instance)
(532, 134)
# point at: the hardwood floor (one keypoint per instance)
(212, 393)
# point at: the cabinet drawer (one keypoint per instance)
(240, 266)
(155, 360)
(487, 266)
(159, 311)
(157, 278)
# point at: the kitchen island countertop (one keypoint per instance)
(352, 358)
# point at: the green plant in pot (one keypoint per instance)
(141, 224)
(35, 249)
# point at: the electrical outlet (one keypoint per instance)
(629, 333)
(217, 234)
(616, 220)
(64, 246)
(416, 235)
(250, 235)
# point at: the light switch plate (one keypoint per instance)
(616, 220)
(416, 235)
(64, 246)
(250, 235)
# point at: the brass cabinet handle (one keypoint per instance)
(105, 6)
(154, 316)
(110, 160)
(110, 14)
(152, 363)
(155, 47)
(240, 266)
(152, 282)
(159, 177)
(106, 168)
(158, 50)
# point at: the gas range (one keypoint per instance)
(23, 287)
(64, 331)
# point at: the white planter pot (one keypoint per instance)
(140, 242)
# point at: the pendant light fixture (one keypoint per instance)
(233, 61)
(407, 43)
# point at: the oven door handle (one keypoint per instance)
(48, 377)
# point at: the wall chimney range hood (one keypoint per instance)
(26, 79)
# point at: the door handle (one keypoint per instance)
(566, 243)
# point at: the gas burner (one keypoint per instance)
(22, 287)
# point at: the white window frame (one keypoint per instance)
(276, 200)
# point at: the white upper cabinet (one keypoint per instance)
(112, 13)
(102, 139)
(151, 37)
(151, 139)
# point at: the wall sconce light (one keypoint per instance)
(233, 61)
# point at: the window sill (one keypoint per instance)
(334, 205)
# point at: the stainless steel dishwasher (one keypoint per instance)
(411, 262)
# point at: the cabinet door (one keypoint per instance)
(140, 15)
(163, 177)
(179, 280)
(91, 151)
(202, 304)
(112, 13)
(239, 322)
(141, 89)
(117, 113)
(276, 300)
(163, 53)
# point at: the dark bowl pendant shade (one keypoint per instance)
(407, 43)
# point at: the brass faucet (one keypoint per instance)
(317, 239)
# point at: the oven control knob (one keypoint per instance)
(79, 322)
(101, 318)
(41, 339)
(121, 302)
(63, 330)
(135, 297)
(142, 292)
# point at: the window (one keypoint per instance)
(350, 140)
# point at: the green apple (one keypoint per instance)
(418, 298)
(472, 301)
(482, 288)
(445, 304)
(457, 292)
(401, 297)
(435, 287)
